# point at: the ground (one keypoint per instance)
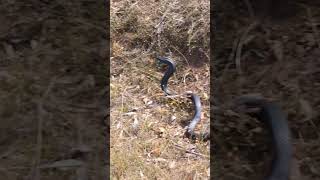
(53, 82)
(147, 128)
(279, 59)
(52, 75)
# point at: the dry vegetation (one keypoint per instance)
(147, 128)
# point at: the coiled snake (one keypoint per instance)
(195, 99)
(271, 114)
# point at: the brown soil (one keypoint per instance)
(279, 60)
(52, 71)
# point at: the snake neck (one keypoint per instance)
(270, 114)
(275, 119)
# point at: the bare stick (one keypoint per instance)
(188, 151)
(41, 113)
(241, 42)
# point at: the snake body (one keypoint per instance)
(272, 115)
(195, 98)
(171, 69)
(197, 115)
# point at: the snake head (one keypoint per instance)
(190, 134)
(250, 104)
(188, 94)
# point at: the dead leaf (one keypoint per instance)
(162, 130)
(277, 49)
(9, 50)
(306, 109)
(33, 44)
(172, 164)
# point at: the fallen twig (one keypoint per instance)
(190, 152)
(41, 113)
(240, 45)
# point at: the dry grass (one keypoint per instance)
(146, 127)
(162, 24)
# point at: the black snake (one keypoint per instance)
(195, 99)
(271, 114)
(171, 69)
